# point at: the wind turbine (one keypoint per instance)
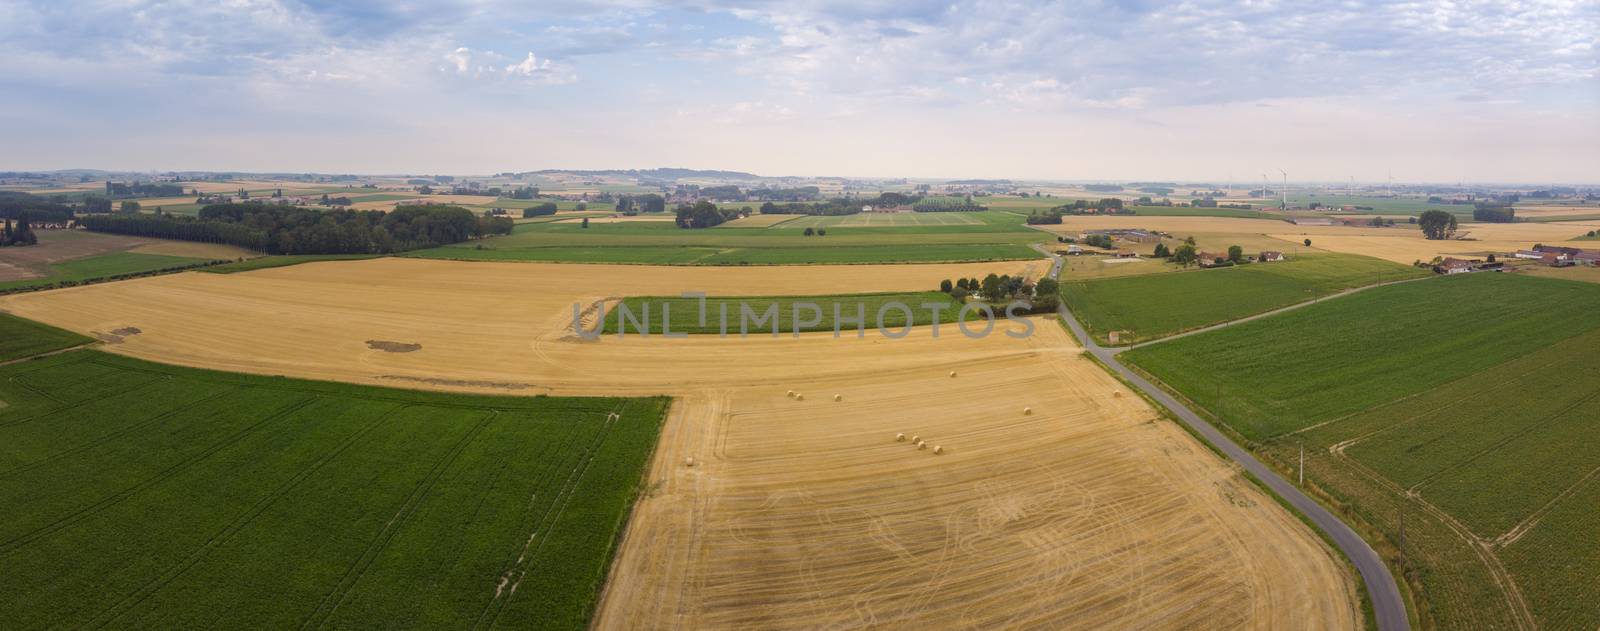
(1263, 186)
(1285, 188)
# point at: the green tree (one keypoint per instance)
(1185, 255)
(585, 223)
(1437, 224)
(1308, 243)
(1235, 253)
(822, 232)
(945, 285)
(991, 287)
(810, 231)
(1161, 251)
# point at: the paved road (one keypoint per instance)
(1388, 607)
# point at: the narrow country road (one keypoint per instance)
(1388, 606)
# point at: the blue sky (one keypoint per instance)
(1449, 91)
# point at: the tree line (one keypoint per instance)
(1044, 295)
(1490, 212)
(276, 229)
(18, 205)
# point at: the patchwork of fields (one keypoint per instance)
(170, 497)
(760, 509)
(1452, 415)
(1150, 306)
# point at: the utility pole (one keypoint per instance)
(1302, 464)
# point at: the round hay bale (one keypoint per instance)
(922, 445)
(799, 397)
(1027, 411)
(900, 438)
(915, 438)
(838, 397)
(688, 462)
(791, 394)
(952, 373)
(938, 449)
(1116, 394)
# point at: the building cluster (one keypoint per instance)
(1560, 256)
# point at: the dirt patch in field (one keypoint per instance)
(116, 336)
(393, 347)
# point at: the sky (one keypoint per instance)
(1197, 90)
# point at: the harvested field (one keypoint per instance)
(799, 512)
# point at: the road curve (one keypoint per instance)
(1388, 606)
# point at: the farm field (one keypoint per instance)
(102, 266)
(1088, 510)
(21, 338)
(757, 221)
(1458, 431)
(662, 242)
(1150, 306)
(65, 246)
(724, 314)
(886, 220)
(281, 260)
(356, 505)
(1181, 211)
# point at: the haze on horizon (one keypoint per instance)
(1442, 92)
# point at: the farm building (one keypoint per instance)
(1127, 254)
(1270, 256)
(1311, 221)
(1211, 259)
(1128, 234)
(1464, 266)
(1074, 250)
(1531, 255)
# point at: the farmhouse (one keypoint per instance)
(1270, 256)
(1464, 266)
(1311, 221)
(1074, 250)
(1211, 259)
(1532, 255)
(1127, 254)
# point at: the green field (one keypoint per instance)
(1399, 206)
(25, 338)
(1461, 408)
(994, 236)
(684, 313)
(886, 219)
(1157, 305)
(152, 496)
(1181, 211)
(102, 266)
(265, 262)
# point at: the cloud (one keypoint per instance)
(676, 72)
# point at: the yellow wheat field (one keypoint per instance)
(804, 511)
